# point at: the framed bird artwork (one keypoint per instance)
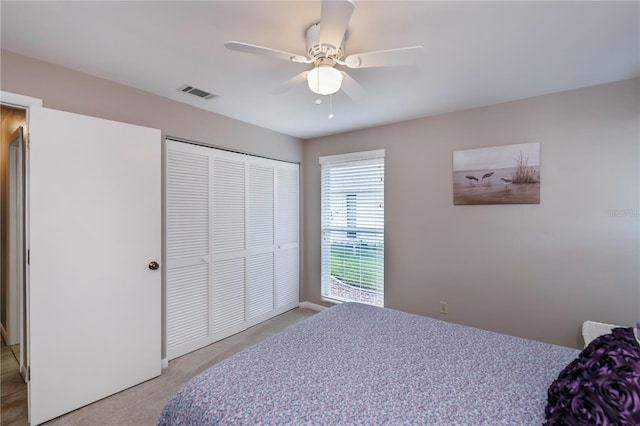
(507, 174)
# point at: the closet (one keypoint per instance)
(232, 244)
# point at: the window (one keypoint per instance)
(352, 220)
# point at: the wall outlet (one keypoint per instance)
(443, 308)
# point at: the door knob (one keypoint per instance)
(153, 265)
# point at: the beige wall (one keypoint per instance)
(67, 90)
(535, 271)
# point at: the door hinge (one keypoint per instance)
(28, 140)
(28, 257)
(28, 373)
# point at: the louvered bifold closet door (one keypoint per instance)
(229, 247)
(188, 248)
(287, 236)
(260, 239)
(232, 243)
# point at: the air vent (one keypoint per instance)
(187, 88)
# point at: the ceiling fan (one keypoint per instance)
(325, 42)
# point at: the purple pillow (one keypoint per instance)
(601, 386)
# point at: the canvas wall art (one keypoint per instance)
(508, 174)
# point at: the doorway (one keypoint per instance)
(12, 283)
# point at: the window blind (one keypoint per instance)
(352, 220)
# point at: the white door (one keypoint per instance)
(260, 238)
(94, 227)
(232, 243)
(287, 236)
(187, 261)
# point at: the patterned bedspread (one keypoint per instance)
(358, 364)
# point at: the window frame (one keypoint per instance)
(375, 234)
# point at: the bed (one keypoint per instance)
(359, 364)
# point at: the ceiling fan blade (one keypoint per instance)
(351, 87)
(294, 81)
(265, 51)
(334, 18)
(384, 58)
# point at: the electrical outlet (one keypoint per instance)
(443, 307)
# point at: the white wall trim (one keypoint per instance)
(164, 363)
(351, 156)
(312, 306)
(19, 100)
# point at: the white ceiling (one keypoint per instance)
(476, 53)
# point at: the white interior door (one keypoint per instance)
(94, 228)
(287, 236)
(188, 247)
(232, 243)
(228, 242)
(260, 238)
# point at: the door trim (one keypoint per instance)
(25, 102)
(14, 99)
(16, 252)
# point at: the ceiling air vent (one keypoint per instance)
(187, 88)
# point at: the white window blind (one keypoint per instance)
(353, 227)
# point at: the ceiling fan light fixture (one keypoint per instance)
(324, 80)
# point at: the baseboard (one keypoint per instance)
(164, 363)
(312, 306)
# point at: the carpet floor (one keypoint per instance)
(142, 404)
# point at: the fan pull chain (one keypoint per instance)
(330, 107)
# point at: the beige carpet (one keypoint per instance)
(142, 404)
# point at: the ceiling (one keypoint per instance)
(475, 53)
